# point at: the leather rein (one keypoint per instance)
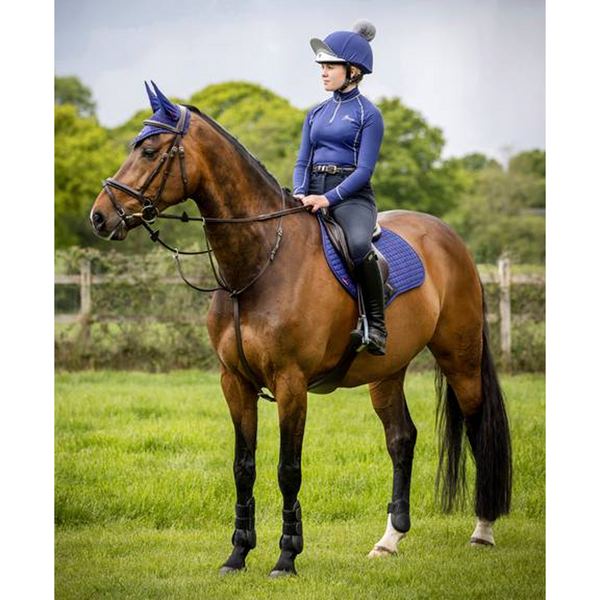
(150, 213)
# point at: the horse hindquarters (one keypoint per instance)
(473, 404)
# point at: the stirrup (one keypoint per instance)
(377, 346)
(359, 337)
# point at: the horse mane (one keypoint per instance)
(262, 170)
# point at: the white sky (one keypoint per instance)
(475, 68)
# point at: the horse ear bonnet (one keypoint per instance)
(164, 112)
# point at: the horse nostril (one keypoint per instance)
(98, 220)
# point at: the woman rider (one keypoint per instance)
(340, 144)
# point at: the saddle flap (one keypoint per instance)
(338, 240)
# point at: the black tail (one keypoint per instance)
(489, 436)
(451, 431)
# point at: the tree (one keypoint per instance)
(500, 213)
(69, 90)
(268, 125)
(83, 156)
(410, 173)
(477, 161)
(532, 162)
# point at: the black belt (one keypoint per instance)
(332, 169)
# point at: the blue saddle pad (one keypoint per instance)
(406, 268)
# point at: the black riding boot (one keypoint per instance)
(368, 277)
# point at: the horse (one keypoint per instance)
(280, 320)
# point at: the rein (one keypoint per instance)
(149, 214)
(184, 217)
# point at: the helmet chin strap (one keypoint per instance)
(349, 80)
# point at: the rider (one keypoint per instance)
(340, 144)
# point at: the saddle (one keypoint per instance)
(338, 241)
(401, 268)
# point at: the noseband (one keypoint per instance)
(149, 212)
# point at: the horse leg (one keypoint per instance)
(390, 405)
(290, 391)
(464, 389)
(474, 401)
(242, 401)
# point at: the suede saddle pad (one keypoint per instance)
(406, 268)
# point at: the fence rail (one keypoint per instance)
(503, 277)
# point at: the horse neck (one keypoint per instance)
(235, 187)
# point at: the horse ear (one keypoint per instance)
(171, 109)
(154, 103)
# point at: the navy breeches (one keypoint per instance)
(356, 215)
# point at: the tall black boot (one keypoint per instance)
(368, 277)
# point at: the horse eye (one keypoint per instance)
(148, 152)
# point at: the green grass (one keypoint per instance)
(145, 497)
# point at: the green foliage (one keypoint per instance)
(268, 125)
(410, 173)
(83, 156)
(69, 90)
(532, 162)
(503, 212)
(478, 162)
(137, 322)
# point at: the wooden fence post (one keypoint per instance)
(85, 309)
(505, 317)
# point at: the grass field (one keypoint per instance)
(145, 497)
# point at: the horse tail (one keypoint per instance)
(489, 436)
(451, 433)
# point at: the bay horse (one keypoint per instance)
(295, 320)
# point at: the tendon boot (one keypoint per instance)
(291, 542)
(368, 277)
(243, 538)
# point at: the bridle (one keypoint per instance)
(149, 214)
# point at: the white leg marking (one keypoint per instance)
(388, 544)
(483, 535)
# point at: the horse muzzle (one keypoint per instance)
(108, 228)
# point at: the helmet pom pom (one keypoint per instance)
(364, 28)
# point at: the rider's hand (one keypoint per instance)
(315, 201)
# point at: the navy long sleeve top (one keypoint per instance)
(346, 130)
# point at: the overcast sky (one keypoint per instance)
(475, 68)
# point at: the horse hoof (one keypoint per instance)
(480, 543)
(277, 573)
(224, 571)
(379, 551)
